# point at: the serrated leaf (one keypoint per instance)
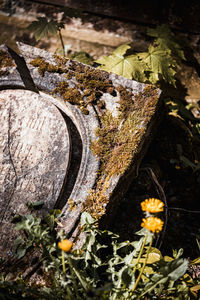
(121, 50)
(165, 40)
(128, 66)
(159, 63)
(42, 27)
(138, 68)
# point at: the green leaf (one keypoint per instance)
(127, 66)
(18, 241)
(165, 40)
(35, 205)
(82, 57)
(50, 220)
(86, 218)
(177, 254)
(20, 252)
(160, 63)
(196, 261)
(42, 27)
(169, 271)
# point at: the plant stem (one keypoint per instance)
(63, 262)
(144, 265)
(62, 43)
(141, 251)
(73, 277)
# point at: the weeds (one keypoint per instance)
(103, 268)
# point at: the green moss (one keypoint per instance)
(95, 203)
(119, 138)
(61, 60)
(90, 86)
(71, 95)
(44, 66)
(5, 61)
(126, 101)
(72, 204)
(116, 143)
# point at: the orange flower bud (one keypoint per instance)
(65, 245)
(152, 224)
(152, 205)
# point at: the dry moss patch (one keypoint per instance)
(118, 141)
(89, 85)
(44, 66)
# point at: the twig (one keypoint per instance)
(62, 43)
(184, 210)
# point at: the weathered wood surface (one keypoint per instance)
(111, 121)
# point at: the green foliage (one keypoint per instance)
(82, 57)
(43, 28)
(128, 66)
(165, 40)
(170, 271)
(38, 232)
(159, 62)
(103, 269)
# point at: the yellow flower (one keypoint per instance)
(65, 245)
(152, 224)
(152, 205)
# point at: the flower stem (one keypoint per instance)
(141, 251)
(73, 277)
(144, 265)
(63, 262)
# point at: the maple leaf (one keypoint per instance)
(159, 62)
(42, 27)
(165, 40)
(128, 66)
